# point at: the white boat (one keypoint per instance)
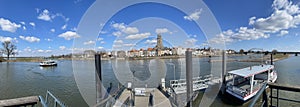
(248, 81)
(48, 63)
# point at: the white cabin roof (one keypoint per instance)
(253, 70)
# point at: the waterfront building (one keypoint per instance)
(181, 51)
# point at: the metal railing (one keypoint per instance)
(45, 102)
(277, 87)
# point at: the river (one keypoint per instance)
(19, 79)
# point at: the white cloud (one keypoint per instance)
(118, 26)
(9, 26)
(27, 49)
(118, 41)
(193, 16)
(285, 16)
(62, 47)
(30, 38)
(49, 40)
(283, 32)
(3, 39)
(117, 46)
(45, 15)
(44, 51)
(89, 42)
(191, 42)
(99, 39)
(64, 27)
(130, 30)
(118, 33)
(74, 29)
(102, 42)
(52, 30)
(60, 15)
(151, 42)
(129, 45)
(68, 35)
(125, 29)
(40, 51)
(23, 23)
(138, 36)
(32, 24)
(252, 20)
(48, 51)
(24, 28)
(100, 47)
(243, 33)
(161, 30)
(249, 34)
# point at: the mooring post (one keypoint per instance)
(223, 71)
(98, 76)
(271, 58)
(189, 77)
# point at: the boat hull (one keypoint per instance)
(48, 65)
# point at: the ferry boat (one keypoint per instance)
(48, 63)
(248, 81)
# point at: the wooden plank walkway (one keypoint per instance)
(31, 100)
(125, 94)
(159, 99)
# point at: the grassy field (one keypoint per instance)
(26, 59)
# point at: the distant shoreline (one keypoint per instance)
(276, 57)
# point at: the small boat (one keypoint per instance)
(248, 81)
(48, 63)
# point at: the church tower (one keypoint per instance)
(159, 42)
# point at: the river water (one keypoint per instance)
(19, 79)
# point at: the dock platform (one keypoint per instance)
(159, 99)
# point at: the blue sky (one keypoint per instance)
(48, 27)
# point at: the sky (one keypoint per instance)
(53, 27)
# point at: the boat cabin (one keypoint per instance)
(247, 81)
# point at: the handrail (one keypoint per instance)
(258, 94)
(284, 87)
(42, 101)
(56, 101)
(272, 86)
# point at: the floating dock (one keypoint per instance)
(151, 96)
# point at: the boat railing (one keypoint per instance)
(237, 90)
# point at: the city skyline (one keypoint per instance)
(45, 28)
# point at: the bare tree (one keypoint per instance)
(8, 49)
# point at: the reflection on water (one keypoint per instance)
(18, 79)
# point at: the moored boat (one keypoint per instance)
(248, 81)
